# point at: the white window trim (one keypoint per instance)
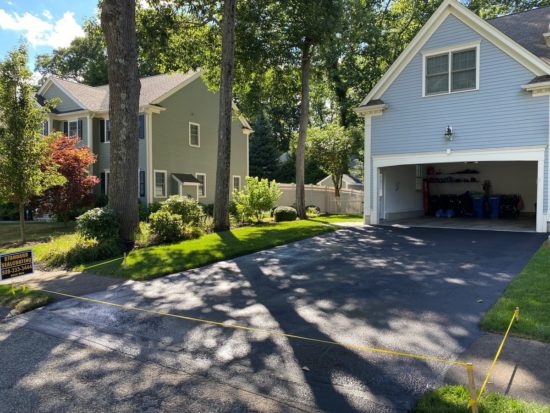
(107, 173)
(165, 173)
(233, 182)
(105, 130)
(197, 174)
(78, 132)
(449, 50)
(199, 128)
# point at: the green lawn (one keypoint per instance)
(454, 399)
(160, 260)
(35, 231)
(531, 291)
(22, 298)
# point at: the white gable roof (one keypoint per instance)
(499, 39)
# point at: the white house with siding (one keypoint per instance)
(468, 101)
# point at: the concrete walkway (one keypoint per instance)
(77, 283)
(523, 369)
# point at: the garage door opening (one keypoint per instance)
(491, 195)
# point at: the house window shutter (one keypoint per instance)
(141, 127)
(102, 130)
(80, 134)
(102, 179)
(142, 184)
(66, 128)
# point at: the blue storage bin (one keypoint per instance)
(477, 204)
(494, 203)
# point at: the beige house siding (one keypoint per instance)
(171, 150)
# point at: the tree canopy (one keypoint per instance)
(355, 43)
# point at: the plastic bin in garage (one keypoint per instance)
(477, 204)
(494, 203)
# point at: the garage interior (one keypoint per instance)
(491, 195)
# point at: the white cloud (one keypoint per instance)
(40, 32)
(47, 14)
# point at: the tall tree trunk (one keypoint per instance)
(337, 181)
(22, 222)
(118, 21)
(221, 200)
(302, 132)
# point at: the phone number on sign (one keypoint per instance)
(19, 270)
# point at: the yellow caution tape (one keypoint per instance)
(254, 329)
(515, 317)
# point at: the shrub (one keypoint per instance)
(313, 211)
(188, 209)
(284, 213)
(99, 224)
(257, 197)
(208, 209)
(71, 250)
(144, 236)
(166, 227)
(153, 207)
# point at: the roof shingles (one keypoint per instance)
(96, 99)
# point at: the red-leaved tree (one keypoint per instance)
(74, 163)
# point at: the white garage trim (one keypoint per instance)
(526, 153)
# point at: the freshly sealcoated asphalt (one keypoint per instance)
(416, 290)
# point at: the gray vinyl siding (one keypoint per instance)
(103, 152)
(171, 149)
(500, 114)
(66, 104)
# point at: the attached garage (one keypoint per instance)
(491, 189)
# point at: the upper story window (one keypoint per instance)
(73, 128)
(141, 128)
(104, 130)
(455, 70)
(194, 134)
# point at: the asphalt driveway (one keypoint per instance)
(415, 290)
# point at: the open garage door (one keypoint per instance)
(474, 193)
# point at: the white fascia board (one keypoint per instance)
(44, 88)
(372, 110)
(476, 23)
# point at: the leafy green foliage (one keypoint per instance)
(23, 150)
(256, 198)
(165, 226)
(100, 224)
(187, 208)
(332, 146)
(284, 213)
(263, 154)
(84, 60)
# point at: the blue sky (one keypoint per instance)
(43, 24)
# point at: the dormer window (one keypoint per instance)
(451, 71)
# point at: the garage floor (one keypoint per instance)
(522, 224)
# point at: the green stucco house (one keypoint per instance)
(178, 132)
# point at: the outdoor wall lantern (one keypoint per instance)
(449, 133)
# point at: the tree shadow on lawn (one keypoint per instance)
(157, 261)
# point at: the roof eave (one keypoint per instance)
(495, 36)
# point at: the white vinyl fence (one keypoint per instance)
(349, 202)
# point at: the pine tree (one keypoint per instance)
(264, 157)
